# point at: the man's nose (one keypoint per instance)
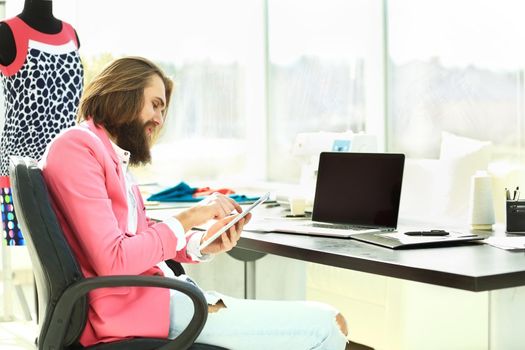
(158, 120)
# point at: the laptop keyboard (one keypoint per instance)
(339, 226)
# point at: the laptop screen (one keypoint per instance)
(359, 188)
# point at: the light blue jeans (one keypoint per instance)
(262, 324)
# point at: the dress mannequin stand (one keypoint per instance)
(42, 79)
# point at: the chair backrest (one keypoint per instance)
(54, 265)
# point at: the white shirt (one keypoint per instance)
(178, 230)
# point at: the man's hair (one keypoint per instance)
(115, 97)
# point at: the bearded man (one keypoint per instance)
(102, 214)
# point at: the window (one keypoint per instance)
(458, 70)
(250, 75)
(214, 52)
(321, 54)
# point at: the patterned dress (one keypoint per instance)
(42, 89)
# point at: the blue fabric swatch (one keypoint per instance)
(184, 193)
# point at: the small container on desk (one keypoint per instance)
(516, 216)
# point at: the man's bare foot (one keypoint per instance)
(342, 324)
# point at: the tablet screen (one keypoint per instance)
(234, 221)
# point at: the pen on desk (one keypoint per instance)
(516, 193)
(507, 194)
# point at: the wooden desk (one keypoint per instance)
(473, 267)
(494, 312)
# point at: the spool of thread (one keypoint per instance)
(481, 201)
(297, 206)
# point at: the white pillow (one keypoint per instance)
(438, 190)
(461, 157)
(422, 195)
(453, 146)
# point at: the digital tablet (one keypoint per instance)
(234, 221)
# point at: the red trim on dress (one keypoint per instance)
(4, 181)
(22, 33)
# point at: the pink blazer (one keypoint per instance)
(87, 189)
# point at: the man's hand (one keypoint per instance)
(220, 205)
(228, 239)
(216, 206)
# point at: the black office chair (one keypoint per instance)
(61, 287)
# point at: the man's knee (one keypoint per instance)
(216, 307)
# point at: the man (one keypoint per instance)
(103, 217)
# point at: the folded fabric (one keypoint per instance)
(185, 193)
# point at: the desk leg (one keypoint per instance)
(248, 257)
(249, 280)
(506, 313)
(490, 320)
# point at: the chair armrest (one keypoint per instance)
(64, 306)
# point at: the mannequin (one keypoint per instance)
(38, 14)
(42, 80)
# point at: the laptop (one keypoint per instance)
(355, 193)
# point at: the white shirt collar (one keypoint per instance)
(122, 155)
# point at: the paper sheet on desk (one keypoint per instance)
(405, 239)
(507, 243)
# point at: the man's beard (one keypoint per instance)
(133, 138)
